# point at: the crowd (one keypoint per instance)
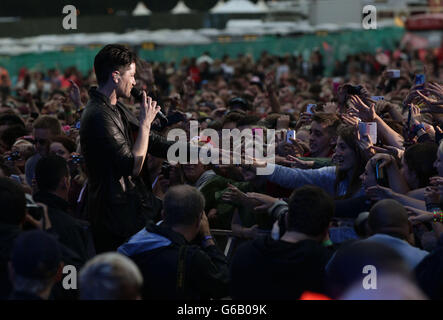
(357, 181)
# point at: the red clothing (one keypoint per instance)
(194, 72)
(313, 296)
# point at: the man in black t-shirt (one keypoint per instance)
(284, 269)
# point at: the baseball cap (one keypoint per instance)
(36, 255)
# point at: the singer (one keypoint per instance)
(119, 203)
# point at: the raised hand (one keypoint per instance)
(264, 201)
(415, 114)
(434, 104)
(349, 120)
(148, 110)
(365, 144)
(298, 163)
(436, 89)
(419, 216)
(300, 147)
(74, 94)
(386, 160)
(432, 194)
(437, 182)
(390, 150)
(305, 119)
(361, 110)
(235, 195)
(377, 193)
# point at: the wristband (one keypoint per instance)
(206, 238)
(438, 216)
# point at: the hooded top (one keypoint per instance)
(143, 241)
(158, 251)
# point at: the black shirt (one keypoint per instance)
(269, 269)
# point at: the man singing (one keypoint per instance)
(119, 203)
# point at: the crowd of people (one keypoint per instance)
(357, 181)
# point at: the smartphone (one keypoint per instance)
(309, 108)
(393, 73)
(33, 209)
(408, 124)
(368, 128)
(380, 174)
(420, 79)
(377, 98)
(290, 134)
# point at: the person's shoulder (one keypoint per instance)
(253, 247)
(62, 215)
(32, 161)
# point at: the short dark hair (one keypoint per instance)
(50, 123)
(310, 210)
(12, 202)
(112, 57)
(331, 121)
(388, 216)
(49, 171)
(183, 205)
(420, 158)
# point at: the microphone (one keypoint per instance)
(138, 95)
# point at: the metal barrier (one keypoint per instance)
(232, 239)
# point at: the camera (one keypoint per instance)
(76, 159)
(13, 156)
(166, 169)
(34, 210)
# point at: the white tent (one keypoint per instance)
(220, 4)
(238, 6)
(262, 5)
(141, 10)
(180, 8)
